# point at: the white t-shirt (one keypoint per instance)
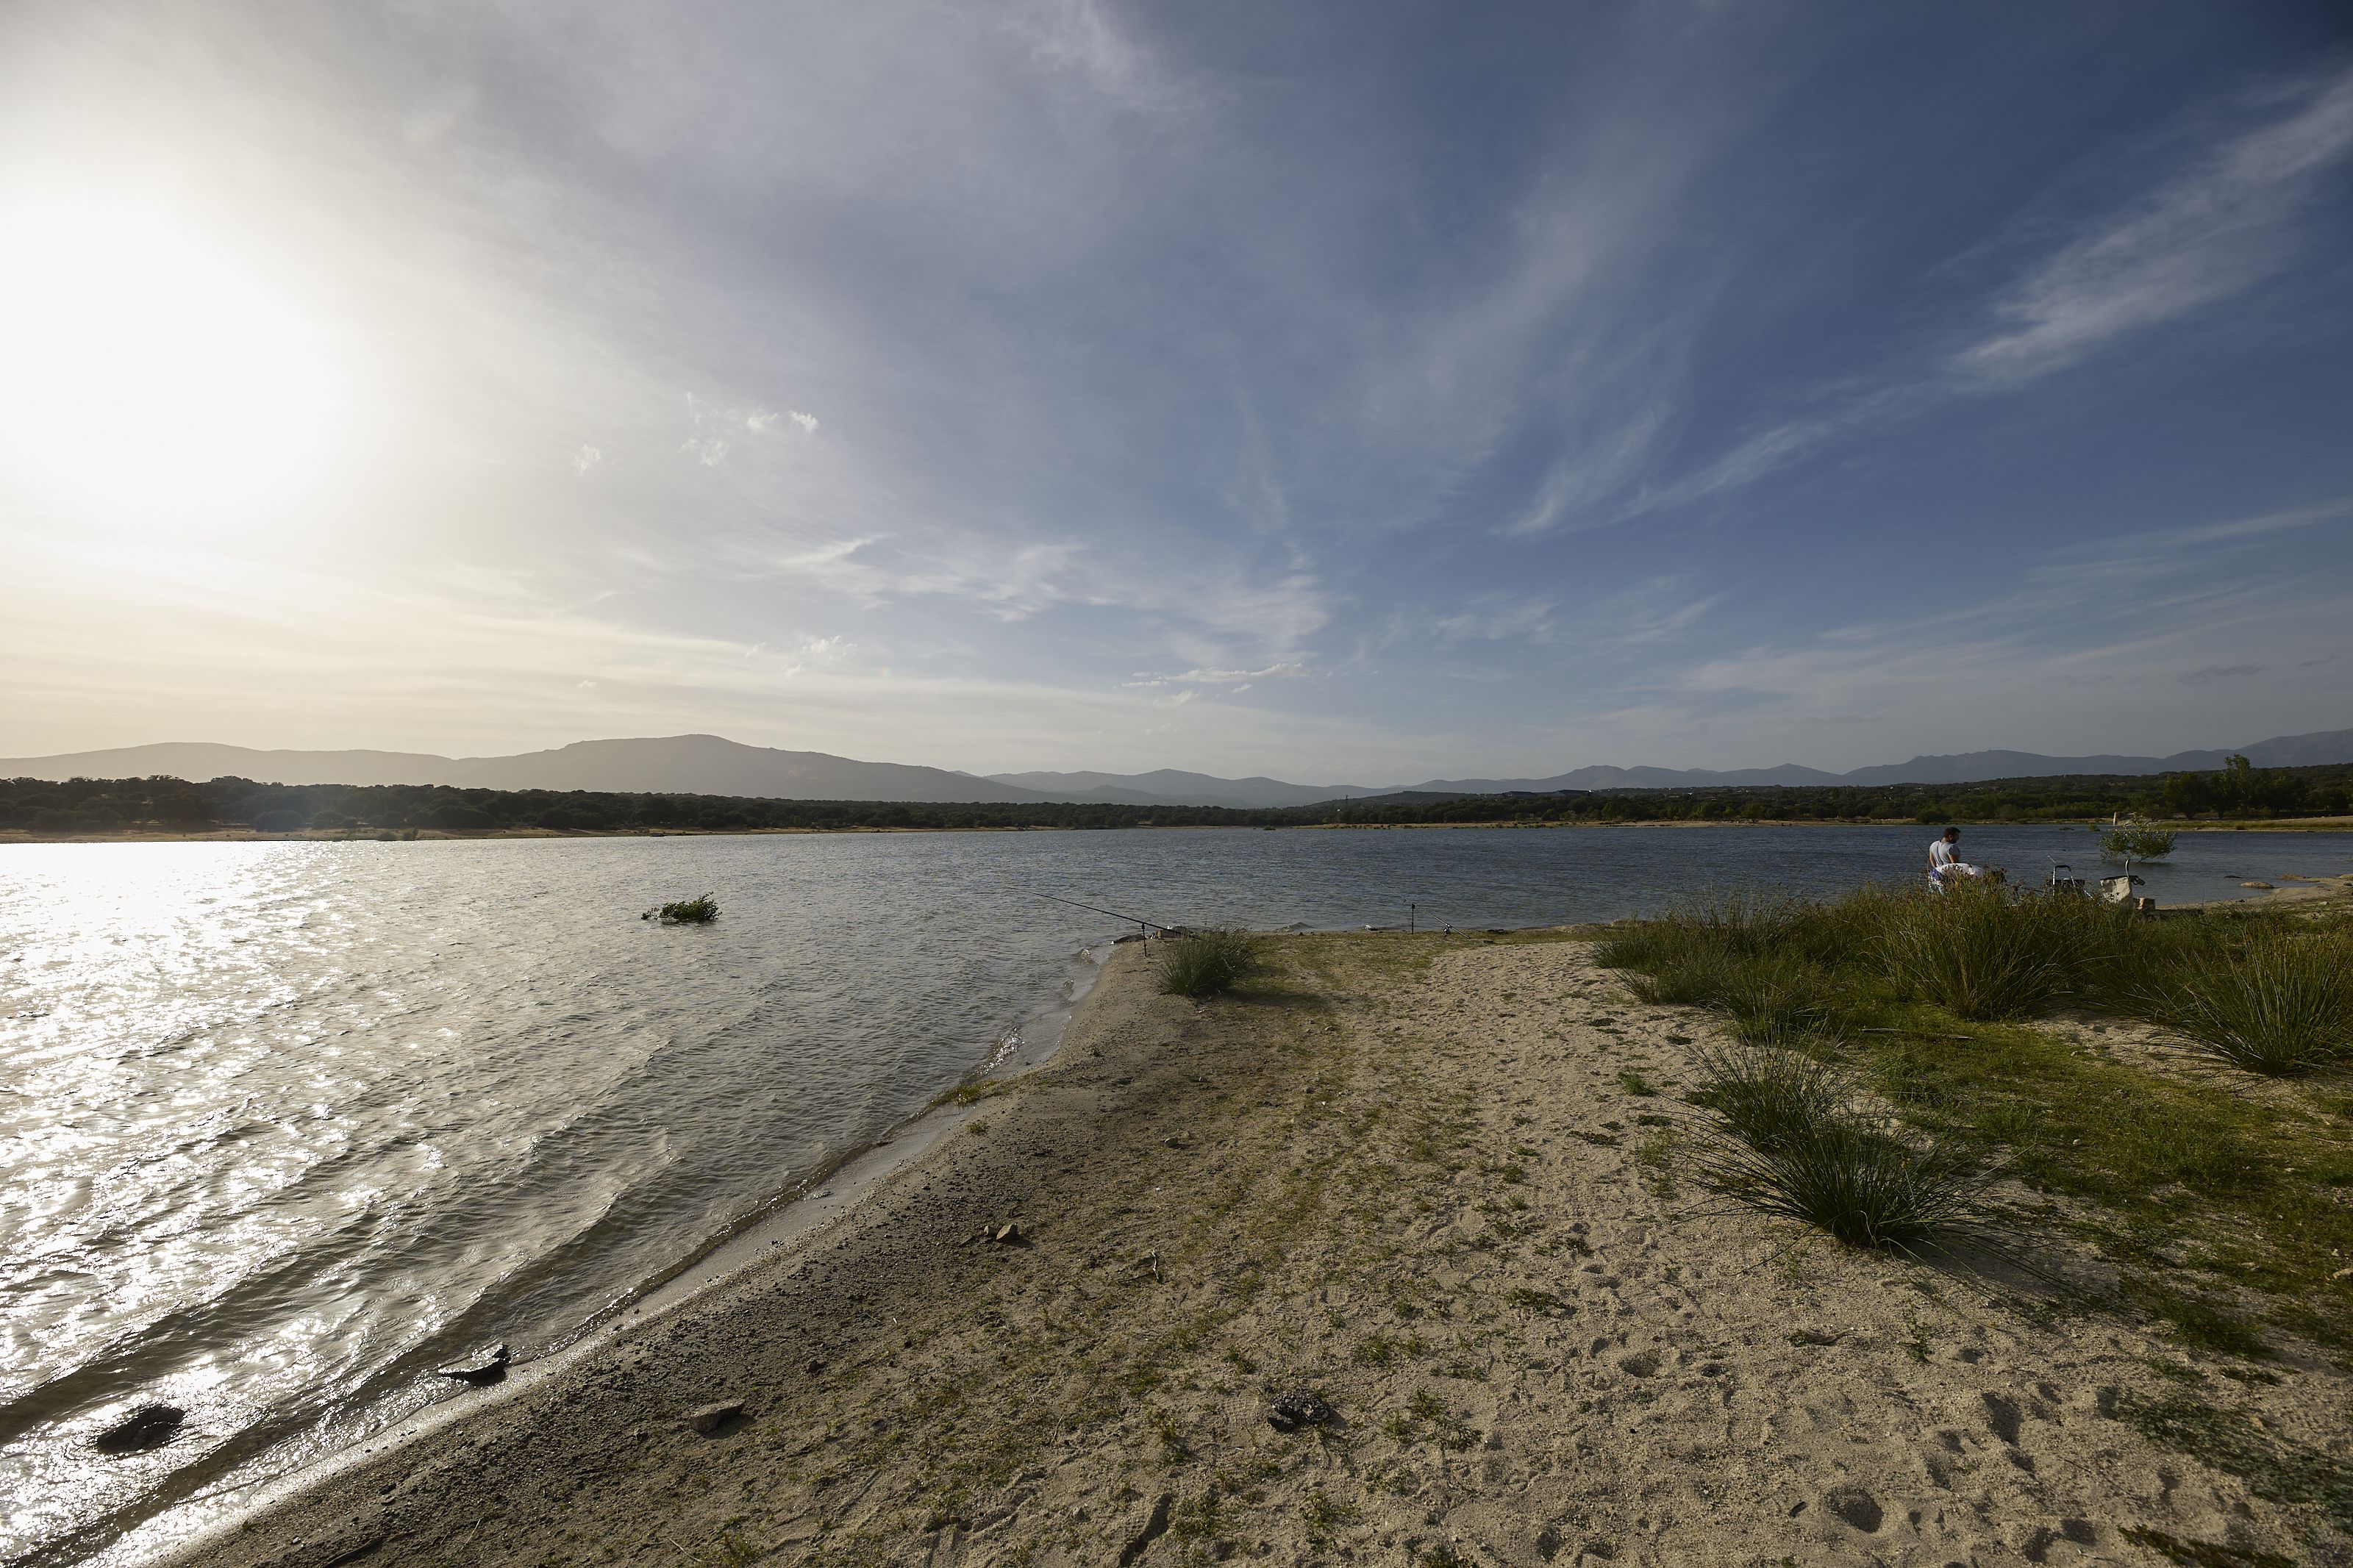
(1940, 855)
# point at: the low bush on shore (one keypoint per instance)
(1206, 964)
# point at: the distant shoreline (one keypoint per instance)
(361, 836)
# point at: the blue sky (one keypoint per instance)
(1345, 391)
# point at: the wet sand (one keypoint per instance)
(1430, 1180)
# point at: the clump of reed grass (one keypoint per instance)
(2137, 841)
(1206, 964)
(1777, 1001)
(1697, 954)
(1988, 955)
(1767, 1096)
(700, 910)
(1792, 1147)
(2280, 1004)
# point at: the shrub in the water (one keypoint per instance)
(2137, 841)
(686, 912)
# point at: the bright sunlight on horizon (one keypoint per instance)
(144, 377)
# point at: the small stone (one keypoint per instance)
(1293, 1409)
(2342, 1274)
(1007, 1234)
(710, 1418)
(148, 1426)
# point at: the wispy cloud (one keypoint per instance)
(2214, 673)
(2230, 221)
(1496, 618)
(2237, 213)
(1221, 677)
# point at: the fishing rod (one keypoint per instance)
(1114, 914)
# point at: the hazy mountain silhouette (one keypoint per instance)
(708, 764)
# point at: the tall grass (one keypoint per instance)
(1779, 999)
(2281, 1005)
(1987, 953)
(1768, 1097)
(1795, 1149)
(2262, 992)
(1207, 963)
(1699, 953)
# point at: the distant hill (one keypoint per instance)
(708, 764)
(200, 759)
(1166, 786)
(2322, 747)
(699, 764)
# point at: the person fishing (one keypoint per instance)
(1945, 863)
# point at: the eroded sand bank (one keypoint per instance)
(1410, 1175)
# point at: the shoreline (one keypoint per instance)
(436, 836)
(790, 1220)
(1413, 1173)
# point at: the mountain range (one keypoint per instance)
(708, 764)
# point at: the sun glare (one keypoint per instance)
(144, 377)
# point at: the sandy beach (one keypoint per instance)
(1430, 1182)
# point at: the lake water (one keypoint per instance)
(285, 1126)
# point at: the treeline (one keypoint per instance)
(176, 805)
(2242, 789)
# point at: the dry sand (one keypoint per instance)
(1411, 1176)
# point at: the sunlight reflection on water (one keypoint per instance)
(285, 1126)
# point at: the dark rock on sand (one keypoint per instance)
(710, 1418)
(491, 1369)
(1295, 1407)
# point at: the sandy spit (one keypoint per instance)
(1429, 1180)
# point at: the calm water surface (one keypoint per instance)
(285, 1126)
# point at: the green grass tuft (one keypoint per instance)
(1796, 1150)
(1207, 963)
(1987, 953)
(1769, 1098)
(2281, 1005)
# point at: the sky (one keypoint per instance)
(1347, 392)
